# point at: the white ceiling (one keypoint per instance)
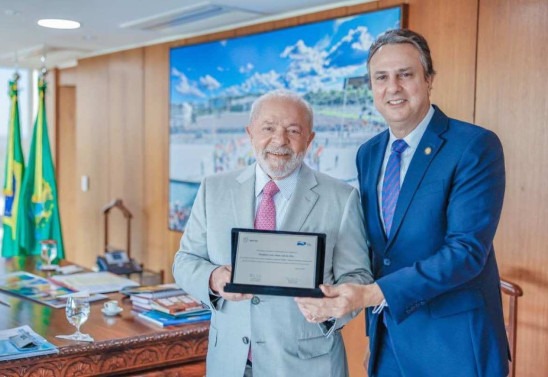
(23, 42)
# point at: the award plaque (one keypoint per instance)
(277, 262)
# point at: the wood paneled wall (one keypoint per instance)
(489, 58)
(512, 100)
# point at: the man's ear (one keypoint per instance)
(248, 130)
(312, 135)
(430, 81)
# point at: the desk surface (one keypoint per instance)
(124, 344)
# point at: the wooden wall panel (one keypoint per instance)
(450, 28)
(158, 251)
(67, 77)
(126, 153)
(512, 100)
(92, 115)
(67, 181)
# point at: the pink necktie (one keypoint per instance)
(266, 219)
(266, 214)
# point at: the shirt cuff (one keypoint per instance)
(378, 309)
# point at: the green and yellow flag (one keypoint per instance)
(13, 176)
(38, 207)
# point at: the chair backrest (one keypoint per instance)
(513, 291)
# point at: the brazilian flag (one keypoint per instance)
(38, 206)
(13, 176)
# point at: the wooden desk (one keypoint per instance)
(124, 345)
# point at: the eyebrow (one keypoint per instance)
(398, 70)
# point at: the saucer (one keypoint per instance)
(111, 313)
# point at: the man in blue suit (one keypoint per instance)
(432, 189)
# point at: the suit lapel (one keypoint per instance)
(377, 157)
(302, 201)
(243, 208)
(429, 146)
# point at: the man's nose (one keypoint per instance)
(393, 85)
(280, 136)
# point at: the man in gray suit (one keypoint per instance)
(265, 335)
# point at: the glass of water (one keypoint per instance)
(77, 312)
(48, 250)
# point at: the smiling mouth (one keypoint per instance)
(277, 154)
(396, 102)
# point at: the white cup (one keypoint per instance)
(111, 306)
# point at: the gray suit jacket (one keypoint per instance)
(283, 342)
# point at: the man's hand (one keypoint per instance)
(217, 280)
(339, 300)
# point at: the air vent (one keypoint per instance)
(178, 17)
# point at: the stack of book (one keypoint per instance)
(141, 297)
(167, 305)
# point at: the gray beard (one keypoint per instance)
(282, 169)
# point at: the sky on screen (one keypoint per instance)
(303, 58)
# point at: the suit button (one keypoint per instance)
(245, 339)
(387, 261)
(368, 243)
(255, 300)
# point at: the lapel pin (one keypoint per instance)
(427, 150)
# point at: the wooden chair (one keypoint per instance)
(513, 291)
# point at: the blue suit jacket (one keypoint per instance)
(438, 270)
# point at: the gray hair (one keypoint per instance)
(282, 94)
(399, 36)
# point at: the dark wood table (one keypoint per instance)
(124, 345)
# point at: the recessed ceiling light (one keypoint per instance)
(59, 24)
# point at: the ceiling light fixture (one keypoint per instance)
(182, 16)
(58, 23)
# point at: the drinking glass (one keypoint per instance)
(77, 312)
(48, 254)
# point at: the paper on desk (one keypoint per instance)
(81, 337)
(95, 282)
(8, 350)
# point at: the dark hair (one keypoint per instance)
(399, 36)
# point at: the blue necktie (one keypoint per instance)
(391, 184)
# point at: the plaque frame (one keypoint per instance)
(235, 287)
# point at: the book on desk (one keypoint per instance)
(142, 297)
(164, 319)
(152, 291)
(176, 305)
